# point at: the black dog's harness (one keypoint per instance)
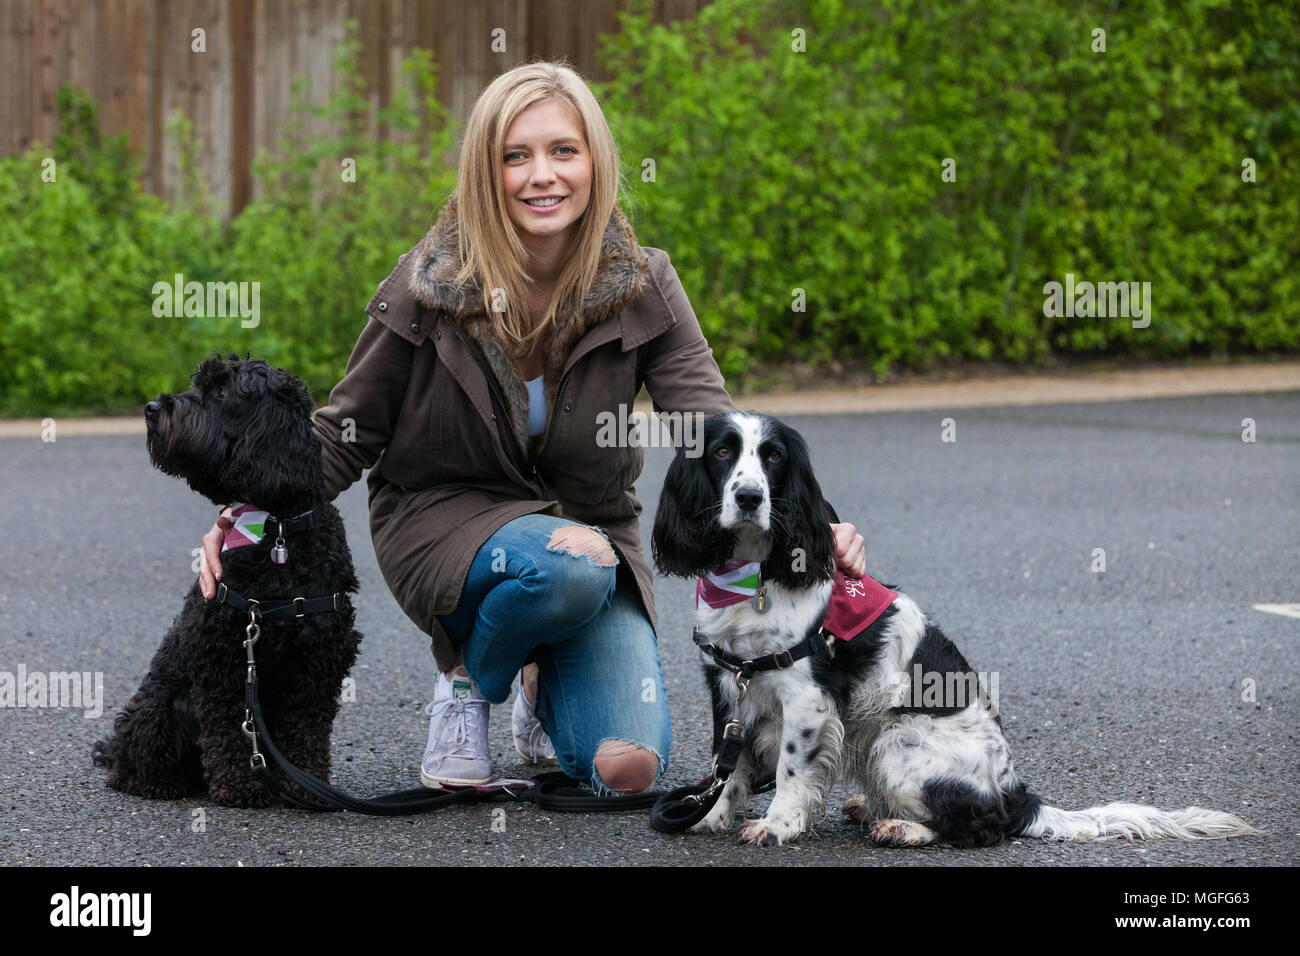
(278, 610)
(307, 521)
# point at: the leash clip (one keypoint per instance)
(251, 633)
(742, 685)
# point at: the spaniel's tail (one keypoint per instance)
(1134, 822)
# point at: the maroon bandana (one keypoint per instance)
(855, 605)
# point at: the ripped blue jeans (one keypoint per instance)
(582, 622)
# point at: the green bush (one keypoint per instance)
(820, 170)
(775, 171)
(319, 246)
(79, 257)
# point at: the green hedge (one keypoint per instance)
(79, 257)
(775, 170)
(821, 170)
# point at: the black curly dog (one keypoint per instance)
(242, 433)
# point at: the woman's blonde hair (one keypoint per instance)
(490, 247)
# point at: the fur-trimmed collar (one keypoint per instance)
(622, 275)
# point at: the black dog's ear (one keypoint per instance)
(275, 461)
(211, 369)
(686, 540)
(803, 548)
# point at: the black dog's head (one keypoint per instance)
(754, 479)
(242, 433)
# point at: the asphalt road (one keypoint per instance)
(1122, 685)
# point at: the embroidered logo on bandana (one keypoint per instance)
(855, 604)
(249, 526)
(728, 584)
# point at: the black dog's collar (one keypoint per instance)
(276, 610)
(817, 642)
(280, 527)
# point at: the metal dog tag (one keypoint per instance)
(279, 554)
(760, 601)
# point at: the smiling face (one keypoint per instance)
(546, 157)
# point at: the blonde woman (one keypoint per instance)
(503, 519)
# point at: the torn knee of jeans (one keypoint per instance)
(583, 541)
(623, 767)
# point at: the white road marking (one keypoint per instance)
(1286, 610)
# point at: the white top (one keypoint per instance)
(536, 405)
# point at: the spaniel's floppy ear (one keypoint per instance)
(686, 540)
(803, 548)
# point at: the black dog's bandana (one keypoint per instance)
(248, 528)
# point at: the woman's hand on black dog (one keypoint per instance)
(210, 555)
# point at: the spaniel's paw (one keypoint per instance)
(718, 820)
(901, 833)
(856, 808)
(774, 828)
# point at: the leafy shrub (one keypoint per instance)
(318, 245)
(775, 171)
(79, 257)
(779, 170)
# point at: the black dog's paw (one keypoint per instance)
(101, 754)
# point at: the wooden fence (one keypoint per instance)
(136, 58)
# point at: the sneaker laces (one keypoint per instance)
(536, 733)
(465, 722)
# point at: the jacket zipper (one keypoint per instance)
(555, 410)
(494, 389)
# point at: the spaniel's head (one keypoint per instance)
(753, 481)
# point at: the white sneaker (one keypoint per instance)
(457, 752)
(530, 739)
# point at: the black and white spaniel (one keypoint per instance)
(748, 519)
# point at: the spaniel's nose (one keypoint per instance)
(749, 498)
(152, 409)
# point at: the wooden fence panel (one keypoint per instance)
(135, 57)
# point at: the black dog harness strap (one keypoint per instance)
(263, 611)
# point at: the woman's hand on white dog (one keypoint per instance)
(850, 550)
(210, 556)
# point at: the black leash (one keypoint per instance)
(549, 791)
(681, 809)
(684, 807)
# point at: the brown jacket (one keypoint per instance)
(447, 471)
